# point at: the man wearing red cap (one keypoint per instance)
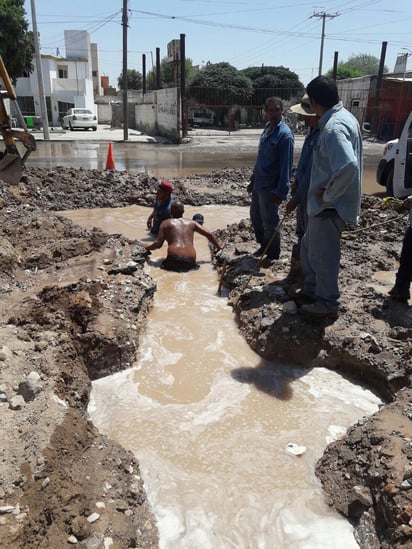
(161, 208)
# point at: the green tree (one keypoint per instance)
(134, 80)
(169, 74)
(268, 81)
(16, 42)
(220, 84)
(343, 72)
(361, 64)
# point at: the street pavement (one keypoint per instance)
(103, 133)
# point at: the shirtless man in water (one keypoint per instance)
(178, 232)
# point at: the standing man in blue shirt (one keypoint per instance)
(270, 179)
(161, 207)
(334, 197)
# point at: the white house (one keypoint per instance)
(70, 81)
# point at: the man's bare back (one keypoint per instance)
(178, 232)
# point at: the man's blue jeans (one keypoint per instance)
(404, 274)
(264, 215)
(320, 257)
(301, 221)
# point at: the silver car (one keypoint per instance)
(79, 118)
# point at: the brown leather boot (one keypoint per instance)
(295, 273)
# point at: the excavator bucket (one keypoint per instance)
(11, 161)
(11, 168)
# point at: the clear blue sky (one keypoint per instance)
(242, 32)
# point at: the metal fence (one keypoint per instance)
(381, 112)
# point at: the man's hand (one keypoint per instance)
(249, 188)
(405, 206)
(319, 195)
(149, 221)
(291, 206)
(276, 200)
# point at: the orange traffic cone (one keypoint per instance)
(110, 160)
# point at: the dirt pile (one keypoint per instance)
(63, 483)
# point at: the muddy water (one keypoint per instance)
(215, 428)
(172, 161)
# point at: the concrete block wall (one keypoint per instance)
(168, 119)
(154, 113)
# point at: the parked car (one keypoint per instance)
(395, 167)
(79, 118)
(201, 117)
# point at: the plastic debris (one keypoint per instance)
(294, 449)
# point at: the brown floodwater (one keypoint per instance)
(227, 442)
(172, 161)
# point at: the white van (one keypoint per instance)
(201, 117)
(395, 168)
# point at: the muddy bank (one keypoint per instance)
(62, 482)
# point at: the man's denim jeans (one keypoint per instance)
(301, 220)
(264, 215)
(320, 257)
(404, 274)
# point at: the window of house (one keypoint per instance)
(26, 105)
(95, 73)
(355, 102)
(62, 70)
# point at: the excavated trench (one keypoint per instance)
(365, 474)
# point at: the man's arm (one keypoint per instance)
(199, 229)
(149, 221)
(343, 163)
(285, 169)
(158, 243)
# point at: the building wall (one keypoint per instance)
(153, 113)
(75, 88)
(158, 113)
(354, 94)
(97, 86)
(168, 113)
(77, 45)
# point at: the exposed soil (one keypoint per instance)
(61, 482)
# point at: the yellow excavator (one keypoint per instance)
(11, 160)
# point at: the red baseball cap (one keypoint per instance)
(166, 185)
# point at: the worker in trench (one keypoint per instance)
(179, 232)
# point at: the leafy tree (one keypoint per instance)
(134, 80)
(343, 72)
(169, 74)
(16, 42)
(361, 64)
(279, 81)
(220, 84)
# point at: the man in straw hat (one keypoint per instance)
(300, 186)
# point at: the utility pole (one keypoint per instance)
(322, 15)
(125, 115)
(183, 83)
(42, 98)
